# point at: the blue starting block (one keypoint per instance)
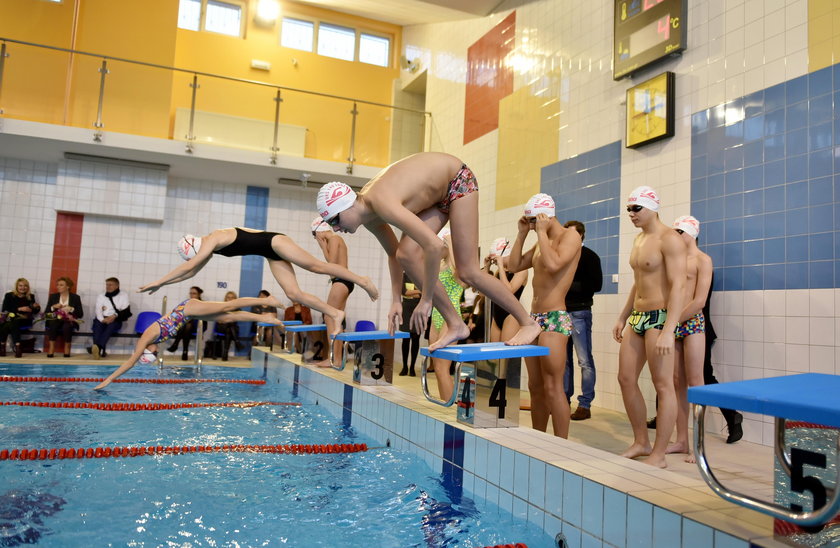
(812, 398)
(262, 326)
(483, 374)
(373, 355)
(302, 329)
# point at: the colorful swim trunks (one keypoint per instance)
(692, 326)
(463, 184)
(556, 321)
(642, 321)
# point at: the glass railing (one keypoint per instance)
(56, 85)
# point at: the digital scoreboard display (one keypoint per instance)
(646, 31)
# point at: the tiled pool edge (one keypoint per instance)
(612, 517)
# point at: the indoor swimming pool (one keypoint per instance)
(383, 496)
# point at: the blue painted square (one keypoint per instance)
(753, 202)
(774, 97)
(820, 163)
(774, 276)
(796, 276)
(733, 206)
(698, 166)
(796, 249)
(572, 498)
(820, 136)
(554, 490)
(714, 162)
(774, 122)
(774, 198)
(821, 246)
(696, 535)
(774, 147)
(733, 253)
(713, 231)
(734, 182)
(699, 122)
(796, 222)
(821, 218)
(639, 522)
(698, 145)
(667, 528)
(536, 482)
(837, 273)
(733, 158)
(820, 109)
(753, 128)
(796, 90)
(820, 82)
(506, 479)
(753, 227)
(717, 116)
(796, 116)
(796, 142)
(714, 209)
(593, 502)
(796, 195)
(615, 517)
(822, 275)
(774, 173)
(796, 168)
(753, 278)
(754, 153)
(837, 126)
(754, 104)
(820, 191)
(698, 189)
(774, 250)
(774, 223)
(754, 177)
(754, 252)
(734, 134)
(733, 279)
(715, 185)
(715, 251)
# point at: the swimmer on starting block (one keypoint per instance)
(418, 195)
(280, 251)
(145, 351)
(335, 251)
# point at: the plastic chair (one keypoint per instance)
(144, 320)
(365, 325)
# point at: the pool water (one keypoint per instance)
(381, 497)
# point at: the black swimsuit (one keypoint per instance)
(251, 243)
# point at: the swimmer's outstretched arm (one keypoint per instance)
(182, 272)
(150, 334)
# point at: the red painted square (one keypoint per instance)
(489, 79)
(67, 247)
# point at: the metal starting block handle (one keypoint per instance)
(302, 329)
(360, 336)
(811, 398)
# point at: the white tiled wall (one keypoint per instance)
(115, 242)
(735, 47)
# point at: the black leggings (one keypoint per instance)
(412, 345)
(60, 327)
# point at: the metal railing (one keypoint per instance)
(190, 138)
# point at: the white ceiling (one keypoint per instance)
(410, 12)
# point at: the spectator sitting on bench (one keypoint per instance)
(64, 310)
(112, 309)
(229, 330)
(264, 334)
(19, 308)
(300, 313)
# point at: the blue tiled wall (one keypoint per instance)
(762, 185)
(586, 188)
(256, 217)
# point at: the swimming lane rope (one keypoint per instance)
(141, 406)
(140, 451)
(517, 545)
(142, 381)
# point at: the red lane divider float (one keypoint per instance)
(517, 545)
(106, 452)
(145, 381)
(140, 406)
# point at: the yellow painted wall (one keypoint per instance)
(35, 94)
(327, 120)
(823, 33)
(529, 129)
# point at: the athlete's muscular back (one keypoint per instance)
(418, 182)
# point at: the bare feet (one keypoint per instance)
(637, 450)
(270, 318)
(526, 335)
(371, 289)
(449, 335)
(659, 462)
(690, 459)
(339, 321)
(323, 363)
(677, 447)
(275, 302)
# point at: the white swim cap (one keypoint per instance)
(188, 246)
(444, 232)
(540, 203)
(318, 225)
(147, 357)
(688, 224)
(500, 247)
(645, 197)
(333, 198)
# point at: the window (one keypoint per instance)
(211, 15)
(297, 34)
(374, 50)
(335, 41)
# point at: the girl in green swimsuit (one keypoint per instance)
(454, 289)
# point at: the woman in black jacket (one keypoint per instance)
(19, 308)
(64, 310)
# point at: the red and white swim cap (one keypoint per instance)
(540, 203)
(688, 224)
(147, 357)
(318, 225)
(645, 197)
(188, 246)
(333, 198)
(500, 247)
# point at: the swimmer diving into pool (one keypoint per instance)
(145, 351)
(280, 251)
(418, 195)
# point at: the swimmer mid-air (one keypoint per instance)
(192, 309)
(279, 250)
